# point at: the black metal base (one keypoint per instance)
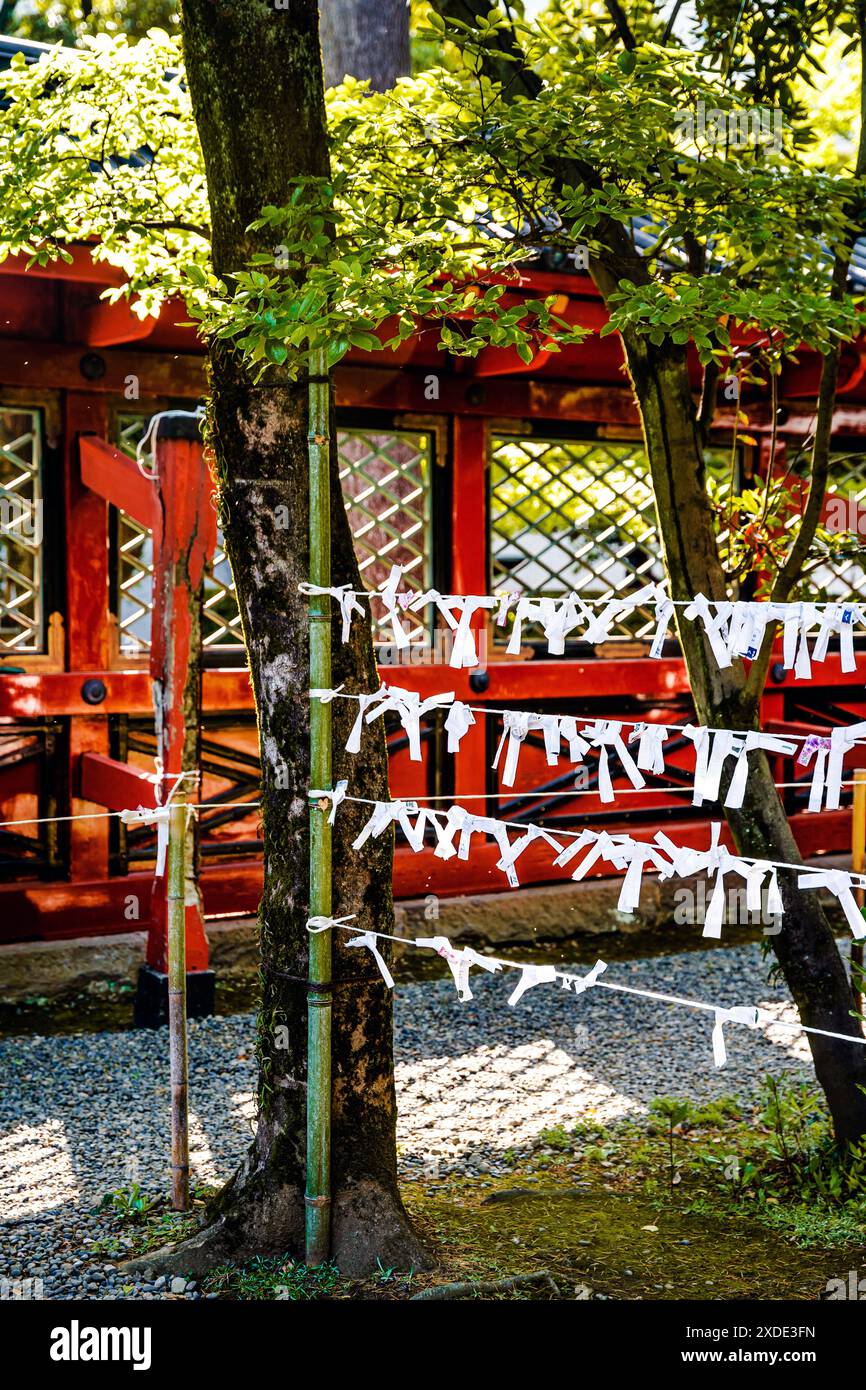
(151, 998)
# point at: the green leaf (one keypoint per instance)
(366, 341)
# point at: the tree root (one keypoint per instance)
(369, 1230)
(480, 1288)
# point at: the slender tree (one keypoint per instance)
(676, 429)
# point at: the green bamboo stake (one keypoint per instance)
(177, 1047)
(318, 1187)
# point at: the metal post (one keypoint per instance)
(318, 1186)
(176, 905)
(858, 864)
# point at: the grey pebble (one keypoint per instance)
(84, 1114)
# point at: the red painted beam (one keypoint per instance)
(86, 566)
(81, 267)
(118, 786)
(56, 366)
(126, 692)
(32, 696)
(105, 907)
(113, 475)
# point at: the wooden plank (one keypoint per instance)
(55, 366)
(184, 537)
(115, 785)
(114, 476)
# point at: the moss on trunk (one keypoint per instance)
(256, 85)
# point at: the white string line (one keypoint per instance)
(565, 795)
(107, 815)
(588, 718)
(859, 880)
(481, 795)
(604, 984)
(611, 598)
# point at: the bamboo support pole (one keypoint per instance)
(179, 1071)
(318, 1184)
(858, 866)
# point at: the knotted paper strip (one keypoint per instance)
(746, 1014)
(368, 939)
(336, 796)
(840, 884)
(158, 816)
(579, 984)
(459, 962)
(531, 975)
(344, 596)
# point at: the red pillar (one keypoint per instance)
(470, 576)
(183, 541)
(86, 628)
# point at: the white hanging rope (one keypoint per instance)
(197, 806)
(713, 746)
(461, 960)
(734, 629)
(151, 433)
(668, 859)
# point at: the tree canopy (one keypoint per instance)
(440, 188)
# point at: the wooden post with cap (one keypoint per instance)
(177, 1039)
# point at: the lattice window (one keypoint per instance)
(573, 514)
(579, 515)
(386, 481)
(22, 618)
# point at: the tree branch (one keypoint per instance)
(707, 407)
(672, 19)
(621, 24)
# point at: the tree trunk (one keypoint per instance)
(805, 947)
(365, 39)
(261, 123)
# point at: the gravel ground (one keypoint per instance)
(82, 1115)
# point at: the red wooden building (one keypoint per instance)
(469, 473)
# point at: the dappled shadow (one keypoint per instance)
(478, 1079)
(81, 1116)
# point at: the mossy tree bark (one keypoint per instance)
(255, 77)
